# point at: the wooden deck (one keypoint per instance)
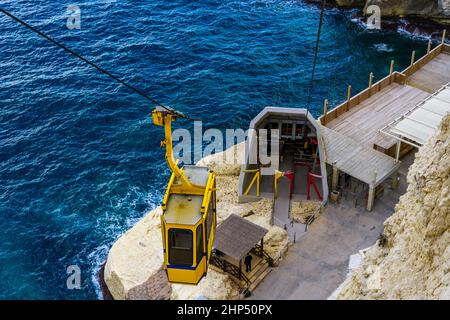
(432, 76)
(362, 116)
(363, 163)
(362, 122)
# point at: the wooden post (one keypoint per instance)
(349, 95)
(262, 248)
(444, 36)
(413, 57)
(429, 46)
(370, 83)
(397, 150)
(371, 198)
(335, 178)
(325, 107)
(391, 71)
(240, 269)
(395, 180)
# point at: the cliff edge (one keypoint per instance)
(411, 260)
(133, 268)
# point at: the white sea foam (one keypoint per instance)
(382, 47)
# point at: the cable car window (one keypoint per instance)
(180, 247)
(199, 242)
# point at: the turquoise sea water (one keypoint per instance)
(79, 159)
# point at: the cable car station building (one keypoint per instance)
(357, 146)
(300, 157)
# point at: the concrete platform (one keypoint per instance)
(318, 263)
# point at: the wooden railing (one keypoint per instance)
(446, 48)
(423, 61)
(362, 96)
(260, 252)
(313, 217)
(229, 268)
(393, 77)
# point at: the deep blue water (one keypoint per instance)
(79, 159)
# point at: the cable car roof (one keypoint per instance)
(183, 209)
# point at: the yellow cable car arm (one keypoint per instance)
(169, 151)
(162, 117)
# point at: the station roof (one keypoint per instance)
(365, 164)
(418, 124)
(236, 236)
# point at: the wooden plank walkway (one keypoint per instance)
(363, 121)
(433, 75)
(355, 159)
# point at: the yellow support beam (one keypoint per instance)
(278, 175)
(256, 178)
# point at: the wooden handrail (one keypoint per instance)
(259, 251)
(229, 268)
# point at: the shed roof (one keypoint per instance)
(236, 236)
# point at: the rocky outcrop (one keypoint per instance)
(351, 3)
(434, 10)
(411, 260)
(133, 267)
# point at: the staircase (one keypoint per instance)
(259, 271)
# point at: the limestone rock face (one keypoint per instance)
(413, 260)
(135, 256)
(437, 10)
(351, 3)
(406, 7)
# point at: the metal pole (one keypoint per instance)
(444, 36)
(429, 46)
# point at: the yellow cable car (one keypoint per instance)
(188, 221)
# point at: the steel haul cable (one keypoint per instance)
(313, 73)
(109, 74)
